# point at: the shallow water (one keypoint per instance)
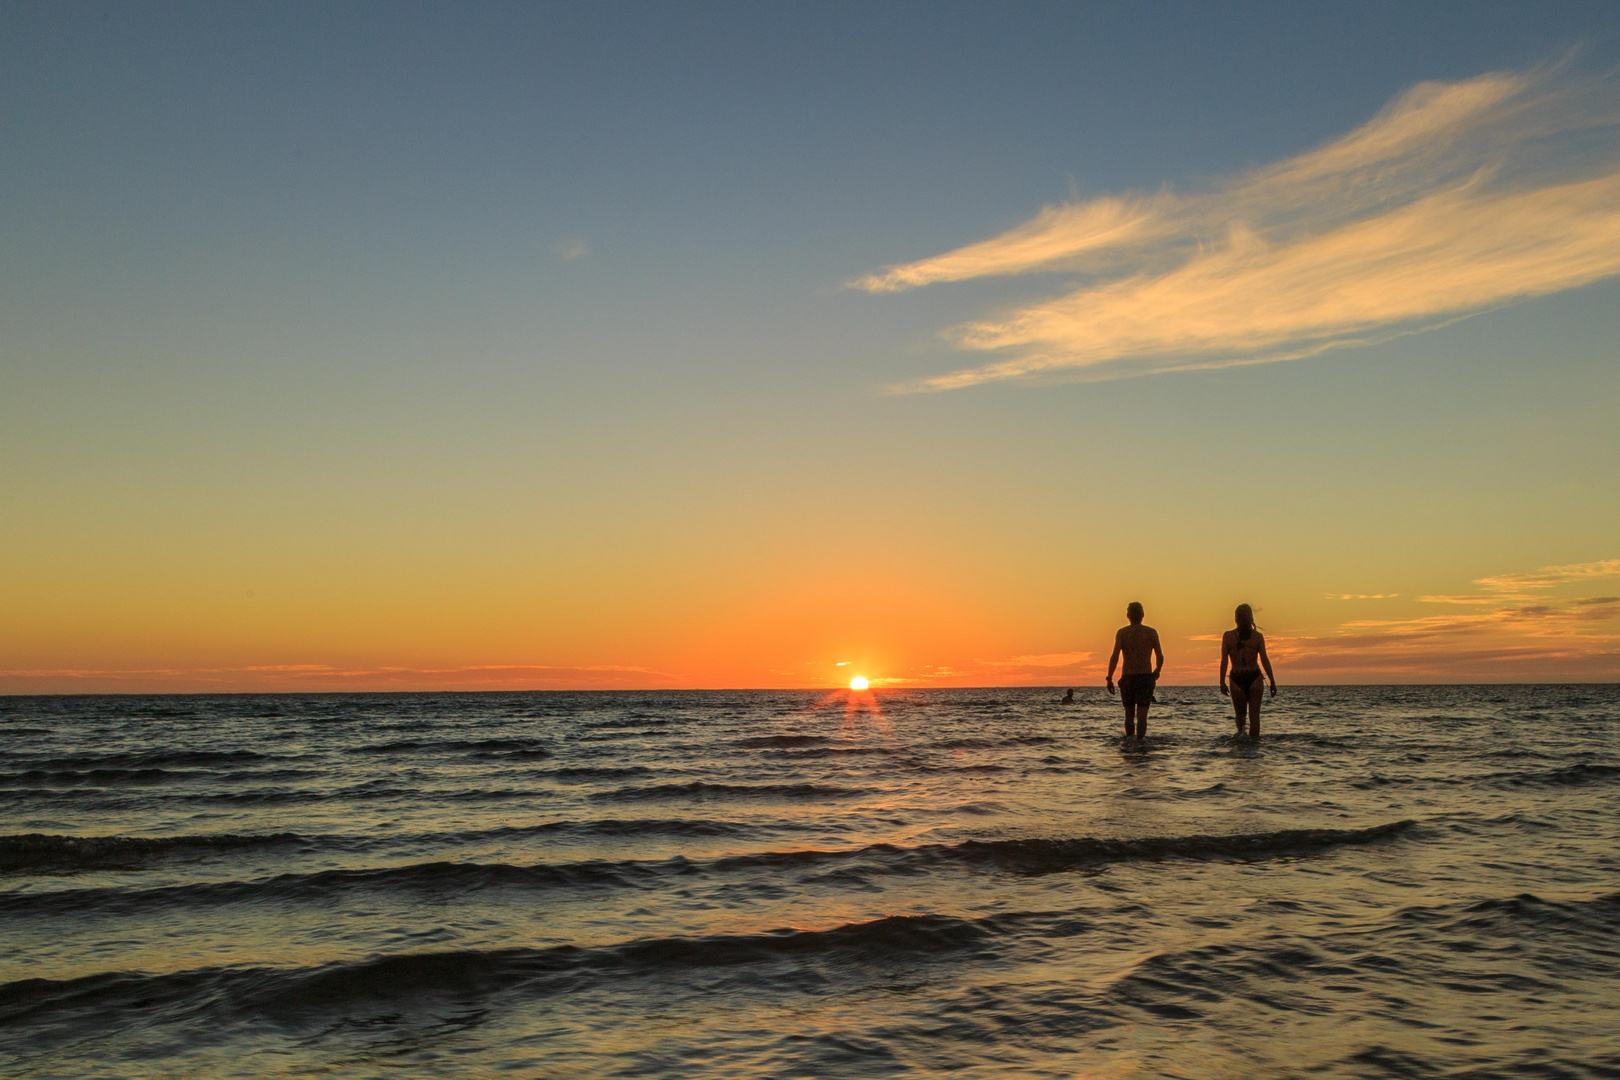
(1395, 881)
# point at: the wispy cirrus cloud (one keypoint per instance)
(1549, 576)
(1457, 197)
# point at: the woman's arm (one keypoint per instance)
(1265, 662)
(1226, 641)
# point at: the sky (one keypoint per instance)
(497, 346)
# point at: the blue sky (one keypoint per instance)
(523, 334)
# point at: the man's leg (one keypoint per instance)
(1130, 709)
(1141, 721)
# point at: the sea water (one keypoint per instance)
(1393, 881)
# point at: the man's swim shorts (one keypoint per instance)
(1136, 690)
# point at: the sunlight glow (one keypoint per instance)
(858, 683)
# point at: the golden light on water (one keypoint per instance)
(858, 683)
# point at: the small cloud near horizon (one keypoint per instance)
(1041, 660)
(573, 247)
(1510, 628)
(326, 677)
(1456, 198)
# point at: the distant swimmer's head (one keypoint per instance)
(1245, 621)
(1133, 611)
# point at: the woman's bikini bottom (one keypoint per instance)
(1244, 680)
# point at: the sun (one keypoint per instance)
(858, 683)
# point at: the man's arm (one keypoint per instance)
(1113, 662)
(1158, 657)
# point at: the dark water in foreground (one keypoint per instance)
(1404, 882)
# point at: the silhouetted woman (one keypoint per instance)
(1244, 648)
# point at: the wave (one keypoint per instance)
(991, 744)
(610, 733)
(634, 828)
(152, 759)
(594, 772)
(812, 753)
(105, 799)
(478, 748)
(699, 789)
(232, 993)
(1042, 855)
(53, 853)
(441, 879)
(769, 741)
(1580, 773)
(1514, 917)
(1568, 776)
(631, 720)
(40, 851)
(979, 808)
(1304, 738)
(100, 778)
(1435, 945)
(631, 827)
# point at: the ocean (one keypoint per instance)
(1393, 881)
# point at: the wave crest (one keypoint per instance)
(41, 851)
(441, 879)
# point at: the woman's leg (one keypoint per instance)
(1239, 705)
(1257, 694)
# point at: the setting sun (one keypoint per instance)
(858, 683)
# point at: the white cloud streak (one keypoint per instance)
(1456, 198)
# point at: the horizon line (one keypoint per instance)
(738, 689)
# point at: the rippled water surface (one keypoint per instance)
(1400, 881)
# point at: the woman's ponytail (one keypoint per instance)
(1245, 621)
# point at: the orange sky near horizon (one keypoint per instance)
(1551, 624)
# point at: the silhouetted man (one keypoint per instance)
(1143, 662)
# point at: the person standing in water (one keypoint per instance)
(1244, 648)
(1143, 662)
